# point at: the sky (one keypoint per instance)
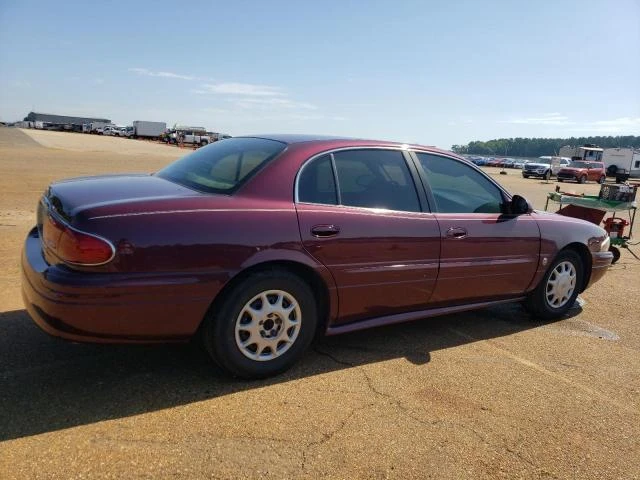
(425, 71)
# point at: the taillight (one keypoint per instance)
(83, 249)
(75, 247)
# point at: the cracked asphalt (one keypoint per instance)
(488, 394)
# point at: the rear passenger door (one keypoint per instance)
(485, 254)
(362, 216)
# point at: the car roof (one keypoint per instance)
(339, 142)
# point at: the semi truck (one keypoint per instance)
(621, 163)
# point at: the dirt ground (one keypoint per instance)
(488, 394)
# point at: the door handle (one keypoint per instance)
(456, 232)
(323, 231)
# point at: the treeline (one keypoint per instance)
(534, 147)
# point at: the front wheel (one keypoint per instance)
(547, 175)
(560, 180)
(557, 291)
(602, 179)
(263, 325)
(525, 176)
(583, 179)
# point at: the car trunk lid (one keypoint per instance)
(68, 198)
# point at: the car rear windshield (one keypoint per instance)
(223, 166)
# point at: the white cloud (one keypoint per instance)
(270, 103)
(545, 119)
(616, 126)
(619, 122)
(245, 89)
(149, 73)
(619, 126)
(21, 84)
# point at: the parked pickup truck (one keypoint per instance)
(192, 137)
(581, 172)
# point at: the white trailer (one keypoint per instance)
(146, 129)
(569, 151)
(621, 163)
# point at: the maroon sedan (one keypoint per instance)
(258, 243)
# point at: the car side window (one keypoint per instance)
(459, 188)
(375, 179)
(317, 184)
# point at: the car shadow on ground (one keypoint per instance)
(48, 384)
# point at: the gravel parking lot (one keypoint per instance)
(487, 394)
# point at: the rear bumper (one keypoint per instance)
(599, 265)
(113, 308)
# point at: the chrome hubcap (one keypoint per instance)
(561, 284)
(268, 325)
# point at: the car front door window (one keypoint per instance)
(459, 188)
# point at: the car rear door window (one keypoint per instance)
(459, 188)
(317, 183)
(375, 179)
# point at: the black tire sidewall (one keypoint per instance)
(537, 301)
(219, 332)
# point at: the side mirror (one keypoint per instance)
(519, 205)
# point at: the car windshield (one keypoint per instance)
(579, 165)
(544, 160)
(222, 167)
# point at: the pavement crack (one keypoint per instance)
(332, 357)
(327, 436)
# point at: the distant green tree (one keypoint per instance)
(535, 147)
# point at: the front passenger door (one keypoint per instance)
(485, 254)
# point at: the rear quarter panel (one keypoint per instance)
(201, 243)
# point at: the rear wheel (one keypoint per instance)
(263, 326)
(582, 179)
(557, 291)
(560, 180)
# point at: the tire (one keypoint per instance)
(228, 325)
(204, 143)
(616, 254)
(582, 179)
(602, 179)
(525, 176)
(547, 175)
(548, 304)
(560, 180)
